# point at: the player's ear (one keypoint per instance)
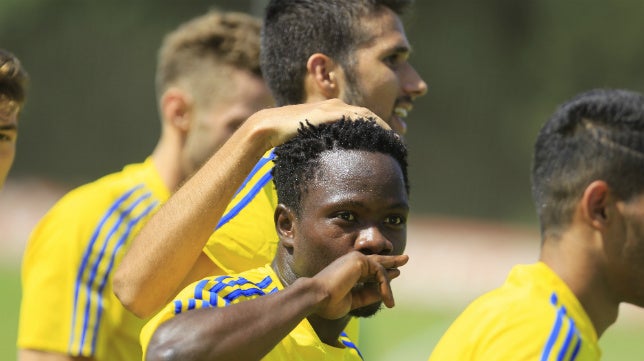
(284, 224)
(595, 203)
(323, 76)
(176, 106)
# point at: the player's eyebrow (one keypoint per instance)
(9, 127)
(402, 206)
(402, 49)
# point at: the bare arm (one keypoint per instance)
(164, 252)
(245, 331)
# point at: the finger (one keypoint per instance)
(388, 264)
(385, 289)
(393, 273)
(390, 261)
(362, 112)
(380, 274)
(385, 268)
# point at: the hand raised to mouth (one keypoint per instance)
(356, 280)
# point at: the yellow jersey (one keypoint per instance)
(533, 316)
(245, 237)
(301, 344)
(68, 305)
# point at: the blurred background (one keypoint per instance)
(496, 70)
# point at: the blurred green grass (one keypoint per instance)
(402, 333)
(10, 304)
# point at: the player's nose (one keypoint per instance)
(372, 241)
(412, 83)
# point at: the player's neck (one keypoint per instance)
(329, 330)
(168, 164)
(580, 267)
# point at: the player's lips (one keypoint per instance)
(400, 112)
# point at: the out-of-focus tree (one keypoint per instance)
(496, 69)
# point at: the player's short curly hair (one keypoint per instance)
(297, 161)
(597, 135)
(13, 78)
(201, 52)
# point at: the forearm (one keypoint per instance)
(243, 331)
(168, 246)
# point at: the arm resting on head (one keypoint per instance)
(165, 251)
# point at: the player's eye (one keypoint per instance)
(6, 137)
(392, 60)
(346, 216)
(395, 220)
(396, 59)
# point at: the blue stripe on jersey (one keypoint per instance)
(101, 281)
(124, 237)
(199, 288)
(569, 337)
(572, 335)
(221, 284)
(92, 276)
(218, 286)
(177, 307)
(350, 344)
(239, 293)
(553, 336)
(575, 351)
(192, 304)
(267, 177)
(87, 253)
(239, 281)
(269, 157)
(555, 330)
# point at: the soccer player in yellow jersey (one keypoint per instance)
(341, 220)
(208, 83)
(588, 186)
(302, 62)
(13, 84)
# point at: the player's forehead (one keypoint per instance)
(348, 175)
(383, 29)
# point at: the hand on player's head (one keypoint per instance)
(281, 123)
